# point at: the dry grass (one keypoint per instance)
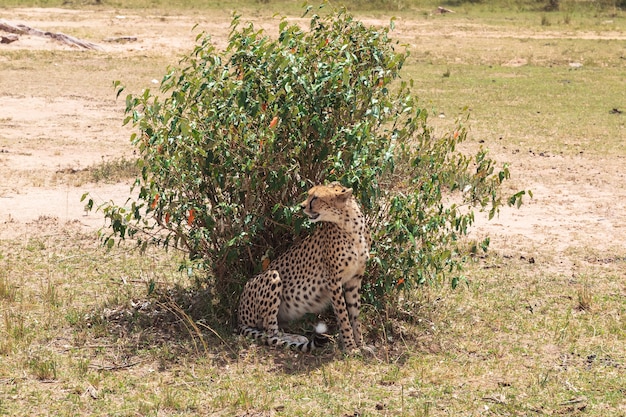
(89, 332)
(94, 342)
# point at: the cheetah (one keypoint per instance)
(325, 268)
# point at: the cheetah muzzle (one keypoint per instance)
(325, 268)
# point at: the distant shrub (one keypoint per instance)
(236, 137)
(552, 5)
(619, 4)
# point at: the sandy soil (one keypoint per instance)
(580, 201)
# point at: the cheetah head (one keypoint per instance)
(326, 202)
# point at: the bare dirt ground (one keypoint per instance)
(55, 123)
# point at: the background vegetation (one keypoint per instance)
(369, 6)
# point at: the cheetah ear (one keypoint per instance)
(344, 194)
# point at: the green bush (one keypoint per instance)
(236, 137)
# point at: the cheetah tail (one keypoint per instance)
(318, 340)
(320, 337)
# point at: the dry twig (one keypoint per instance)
(115, 367)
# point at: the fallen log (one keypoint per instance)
(8, 38)
(61, 37)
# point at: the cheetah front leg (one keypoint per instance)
(341, 312)
(269, 311)
(352, 290)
